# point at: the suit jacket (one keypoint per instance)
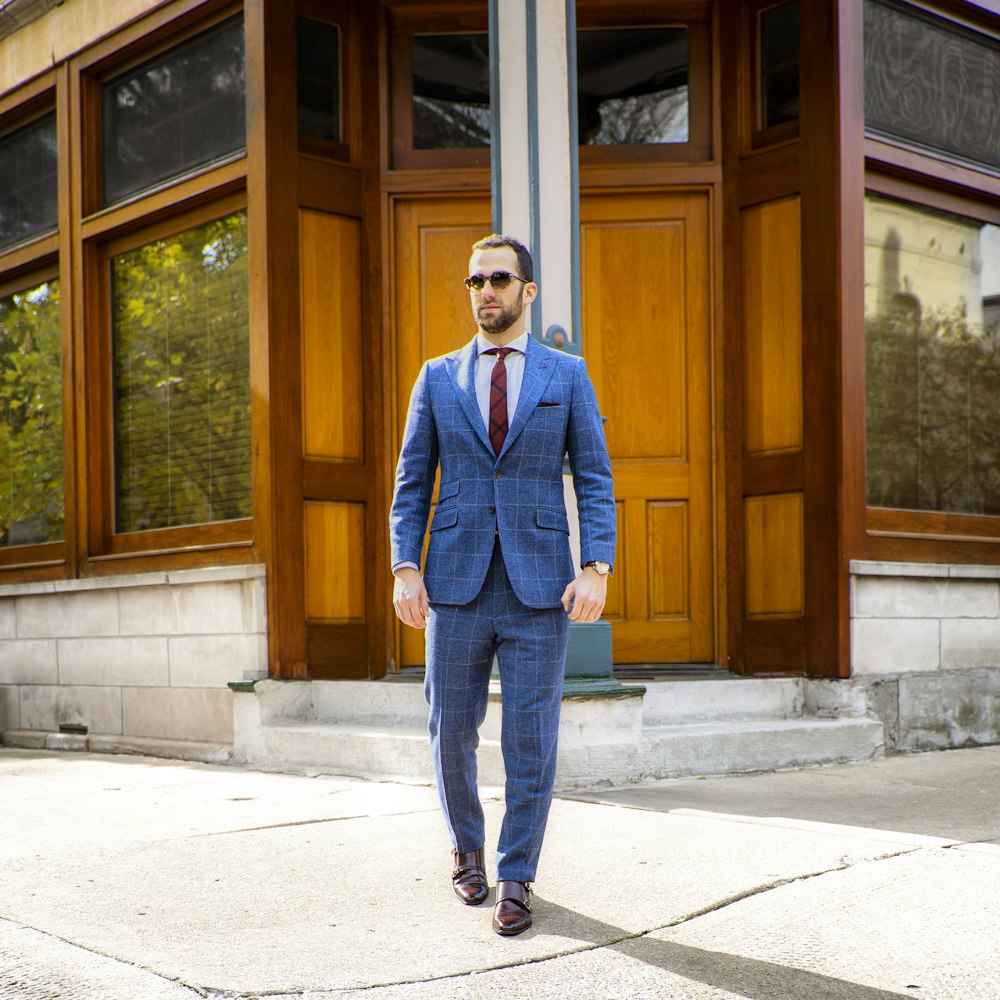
(517, 494)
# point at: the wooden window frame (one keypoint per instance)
(696, 18)
(105, 543)
(756, 137)
(118, 54)
(403, 25)
(917, 535)
(343, 16)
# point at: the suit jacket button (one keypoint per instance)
(497, 474)
(491, 509)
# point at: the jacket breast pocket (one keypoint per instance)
(549, 517)
(444, 518)
(448, 490)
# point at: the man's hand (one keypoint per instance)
(587, 594)
(409, 598)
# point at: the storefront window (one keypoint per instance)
(182, 379)
(29, 201)
(932, 82)
(451, 91)
(32, 504)
(181, 111)
(932, 321)
(632, 85)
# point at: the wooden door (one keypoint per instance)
(647, 341)
(431, 311)
(646, 338)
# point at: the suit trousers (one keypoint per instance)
(530, 647)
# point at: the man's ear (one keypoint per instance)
(530, 292)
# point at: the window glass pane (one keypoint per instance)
(29, 200)
(31, 440)
(451, 91)
(178, 112)
(932, 320)
(318, 55)
(932, 82)
(182, 378)
(632, 85)
(779, 65)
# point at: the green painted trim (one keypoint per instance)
(242, 687)
(600, 687)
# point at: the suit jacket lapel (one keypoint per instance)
(538, 370)
(463, 372)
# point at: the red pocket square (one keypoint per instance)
(549, 404)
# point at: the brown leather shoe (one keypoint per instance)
(468, 878)
(512, 914)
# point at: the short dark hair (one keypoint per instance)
(496, 240)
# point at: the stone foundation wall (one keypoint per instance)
(137, 657)
(925, 651)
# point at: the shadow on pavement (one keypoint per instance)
(747, 977)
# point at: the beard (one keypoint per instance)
(501, 321)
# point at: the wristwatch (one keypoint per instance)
(602, 567)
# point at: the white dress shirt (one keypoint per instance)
(515, 375)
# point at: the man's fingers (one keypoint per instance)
(567, 596)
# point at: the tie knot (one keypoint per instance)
(501, 352)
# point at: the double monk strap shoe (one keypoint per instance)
(468, 878)
(512, 914)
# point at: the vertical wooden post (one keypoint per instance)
(272, 206)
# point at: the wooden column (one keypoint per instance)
(274, 325)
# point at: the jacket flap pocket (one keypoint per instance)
(449, 490)
(444, 518)
(547, 517)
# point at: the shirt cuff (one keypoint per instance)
(405, 565)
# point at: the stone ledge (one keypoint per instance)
(191, 750)
(180, 577)
(942, 571)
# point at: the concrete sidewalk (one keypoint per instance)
(126, 878)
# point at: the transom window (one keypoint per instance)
(632, 85)
(176, 113)
(29, 192)
(451, 91)
(931, 82)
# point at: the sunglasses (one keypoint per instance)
(498, 279)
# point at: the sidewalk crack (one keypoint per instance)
(51, 935)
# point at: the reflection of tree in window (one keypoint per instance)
(933, 360)
(181, 379)
(632, 85)
(451, 91)
(31, 442)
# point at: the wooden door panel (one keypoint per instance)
(647, 341)
(336, 476)
(432, 314)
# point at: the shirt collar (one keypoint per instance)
(517, 344)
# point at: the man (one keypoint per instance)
(498, 417)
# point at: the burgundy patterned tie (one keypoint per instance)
(498, 398)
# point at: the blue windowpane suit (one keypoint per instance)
(497, 565)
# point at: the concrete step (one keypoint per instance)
(727, 699)
(587, 756)
(758, 745)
